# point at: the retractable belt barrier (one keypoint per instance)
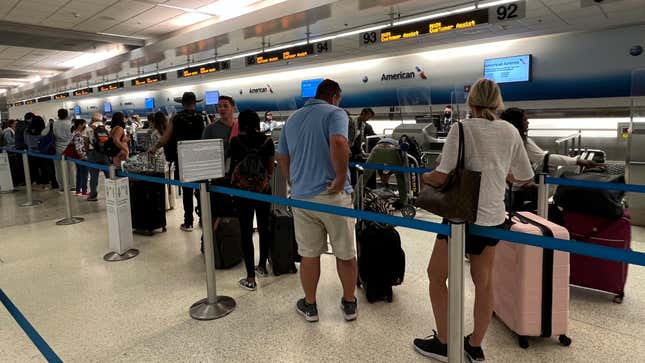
(393, 168)
(43, 156)
(607, 253)
(455, 231)
(635, 188)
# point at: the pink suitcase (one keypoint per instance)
(531, 284)
(595, 273)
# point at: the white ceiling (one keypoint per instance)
(163, 22)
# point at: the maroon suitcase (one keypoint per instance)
(595, 273)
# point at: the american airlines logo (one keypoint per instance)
(261, 90)
(404, 75)
(396, 76)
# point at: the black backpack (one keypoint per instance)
(187, 125)
(251, 173)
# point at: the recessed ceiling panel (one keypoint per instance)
(202, 45)
(289, 22)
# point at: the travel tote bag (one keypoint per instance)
(458, 198)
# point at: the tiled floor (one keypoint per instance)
(137, 311)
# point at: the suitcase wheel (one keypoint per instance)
(523, 341)
(564, 340)
(164, 229)
(618, 299)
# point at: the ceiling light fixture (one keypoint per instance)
(189, 18)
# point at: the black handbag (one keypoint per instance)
(458, 198)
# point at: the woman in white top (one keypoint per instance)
(517, 117)
(494, 148)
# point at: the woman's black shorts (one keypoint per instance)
(475, 244)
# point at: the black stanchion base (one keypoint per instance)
(115, 257)
(69, 221)
(202, 310)
(33, 203)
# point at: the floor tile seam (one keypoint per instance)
(84, 215)
(608, 329)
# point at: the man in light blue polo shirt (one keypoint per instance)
(313, 153)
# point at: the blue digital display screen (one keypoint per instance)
(107, 107)
(309, 87)
(508, 69)
(211, 97)
(77, 110)
(150, 103)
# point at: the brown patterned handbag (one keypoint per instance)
(458, 199)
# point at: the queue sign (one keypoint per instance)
(141, 81)
(203, 69)
(287, 54)
(494, 14)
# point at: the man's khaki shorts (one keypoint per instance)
(313, 227)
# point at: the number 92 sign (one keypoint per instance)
(507, 12)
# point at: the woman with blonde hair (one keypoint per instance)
(494, 148)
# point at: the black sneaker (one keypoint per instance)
(248, 285)
(309, 311)
(431, 347)
(475, 354)
(261, 271)
(186, 227)
(349, 309)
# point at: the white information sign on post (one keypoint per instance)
(6, 182)
(201, 160)
(117, 193)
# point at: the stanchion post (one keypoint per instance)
(213, 306)
(456, 293)
(30, 198)
(112, 172)
(543, 197)
(69, 219)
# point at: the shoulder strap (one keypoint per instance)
(545, 163)
(460, 158)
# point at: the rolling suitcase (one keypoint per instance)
(283, 250)
(595, 273)
(228, 242)
(147, 201)
(531, 284)
(381, 260)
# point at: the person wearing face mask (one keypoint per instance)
(443, 126)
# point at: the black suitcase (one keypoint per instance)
(381, 260)
(148, 206)
(283, 251)
(228, 243)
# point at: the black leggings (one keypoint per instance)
(247, 208)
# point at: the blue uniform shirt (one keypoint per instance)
(305, 139)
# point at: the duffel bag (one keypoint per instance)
(600, 202)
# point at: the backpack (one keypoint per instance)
(110, 148)
(101, 137)
(251, 174)
(47, 143)
(186, 125)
